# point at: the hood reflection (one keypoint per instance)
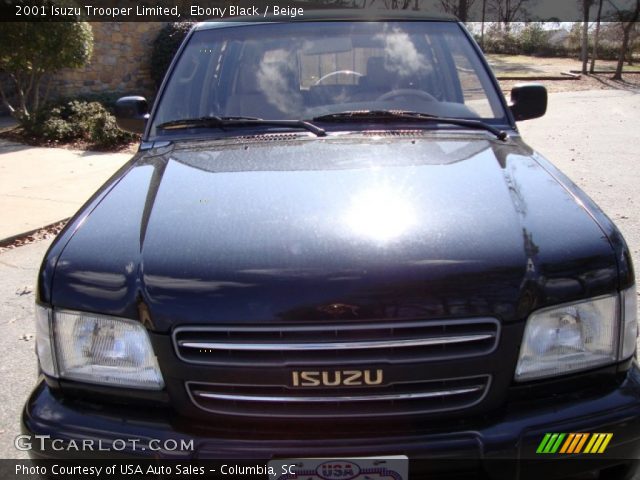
(380, 214)
(436, 226)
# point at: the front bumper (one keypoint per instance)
(502, 448)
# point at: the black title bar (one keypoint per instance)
(503, 11)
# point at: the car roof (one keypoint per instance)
(341, 15)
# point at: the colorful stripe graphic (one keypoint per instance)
(571, 443)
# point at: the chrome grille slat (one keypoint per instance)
(384, 401)
(404, 341)
(338, 398)
(334, 345)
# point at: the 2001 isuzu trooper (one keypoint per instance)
(334, 242)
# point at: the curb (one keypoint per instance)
(9, 240)
(607, 72)
(563, 76)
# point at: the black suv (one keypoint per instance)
(334, 243)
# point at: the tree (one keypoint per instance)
(31, 51)
(627, 19)
(482, 22)
(507, 11)
(584, 55)
(459, 8)
(165, 47)
(596, 38)
(397, 4)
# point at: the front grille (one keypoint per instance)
(336, 344)
(393, 399)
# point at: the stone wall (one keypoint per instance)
(120, 61)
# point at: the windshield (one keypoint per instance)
(305, 70)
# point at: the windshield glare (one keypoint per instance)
(309, 69)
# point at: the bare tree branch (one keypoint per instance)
(5, 100)
(505, 11)
(459, 8)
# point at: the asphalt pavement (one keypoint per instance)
(592, 136)
(18, 368)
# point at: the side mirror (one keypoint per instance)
(132, 114)
(528, 100)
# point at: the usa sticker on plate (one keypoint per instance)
(366, 468)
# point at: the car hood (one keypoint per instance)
(306, 230)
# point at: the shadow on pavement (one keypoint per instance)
(94, 153)
(616, 84)
(7, 122)
(8, 146)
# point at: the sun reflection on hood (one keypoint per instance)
(380, 213)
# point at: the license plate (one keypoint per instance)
(370, 468)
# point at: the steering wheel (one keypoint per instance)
(337, 72)
(406, 92)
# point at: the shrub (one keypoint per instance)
(534, 39)
(608, 51)
(55, 129)
(165, 47)
(501, 41)
(104, 133)
(79, 120)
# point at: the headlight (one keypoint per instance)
(570, 338)
(101, 349)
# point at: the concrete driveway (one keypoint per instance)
(40, 186)
(592, 136)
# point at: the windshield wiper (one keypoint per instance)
(226, 122)
(390, 115)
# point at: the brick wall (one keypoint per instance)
(120, 61)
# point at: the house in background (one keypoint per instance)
(559, 37)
